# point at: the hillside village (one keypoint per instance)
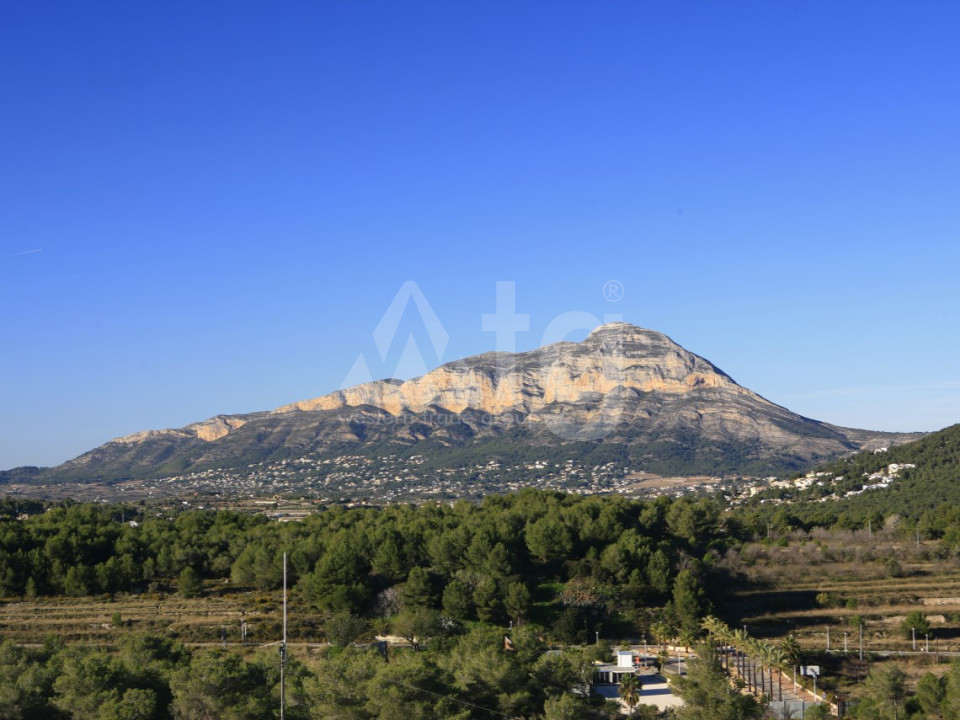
(823, 486)
(387, 479)
(392, 478)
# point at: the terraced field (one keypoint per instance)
(782, 602)
(819, 588)
(204, 620)
(792, 610)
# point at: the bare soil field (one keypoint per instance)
(649, 481)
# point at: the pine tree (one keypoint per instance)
(190, 585)
(418, 592)
(689, 600)
(517, 602)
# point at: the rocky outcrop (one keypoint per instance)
(207, 430)
(614, 357)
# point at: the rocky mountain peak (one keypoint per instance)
(614, 357)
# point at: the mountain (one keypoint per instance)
(624, 394)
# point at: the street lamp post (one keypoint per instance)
(283, 645)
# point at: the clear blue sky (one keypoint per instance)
(227, 197)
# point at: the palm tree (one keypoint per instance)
(740, 642)
(663, 657)
(791, 650)
(792, 653)
(779, 660)
(769, 658)
(712, 625)
(749, 650)
(661, 631)
(758, 651)
(725, 638)
(687, 638)
(629, 690)
(721, 634)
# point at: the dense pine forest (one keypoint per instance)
(568, 563)
(540, 568)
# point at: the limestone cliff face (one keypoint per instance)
(216, 427)
(207, 430)
(615, 357)
(622, 384)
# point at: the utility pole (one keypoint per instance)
(828, 638)
(283, 644)
(845, 633)
(913, 632)
(861, 641)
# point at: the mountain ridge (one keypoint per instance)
(621, 384)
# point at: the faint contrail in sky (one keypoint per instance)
(24, 252)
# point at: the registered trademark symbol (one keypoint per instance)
(613, 291)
